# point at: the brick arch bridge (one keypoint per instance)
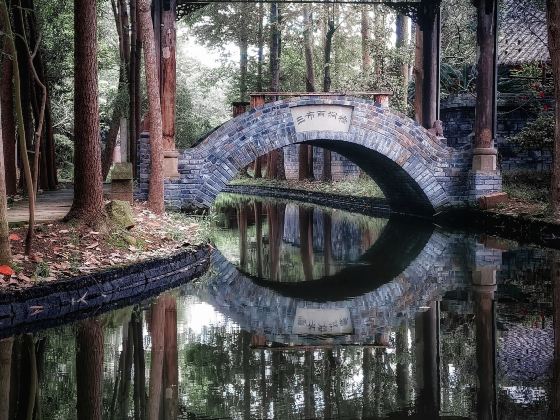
(417, 171)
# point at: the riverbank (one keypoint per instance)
(360, 187)
(63, 250)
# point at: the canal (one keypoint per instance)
(309, 312)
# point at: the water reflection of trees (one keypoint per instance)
(150, 363)
(308, 243)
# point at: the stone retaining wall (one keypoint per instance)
(458, 112)
(79, 297)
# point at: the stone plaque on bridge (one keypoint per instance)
(322, 322)
(322, 118)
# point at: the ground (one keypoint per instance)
(361, 187)
(64, 250)
(529, 196)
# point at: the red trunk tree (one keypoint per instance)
(155, 195)
(87, 206)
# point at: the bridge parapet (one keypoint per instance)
(416, 170)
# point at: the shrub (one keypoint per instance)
(538, 134)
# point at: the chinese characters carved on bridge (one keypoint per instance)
(322, 321)
(322, 118)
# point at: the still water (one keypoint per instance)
(308, 313)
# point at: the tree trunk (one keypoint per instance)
(275, 164)
(306, 152)
(366, 37)
(260, 46)
(243, 54)
(5, 251)
(418, 74)
(139, 368)
(306, 241)
(5, 374)
(327, 243)
(275, 213)
(331, 29)
(157, 332)
(327, 165)
(5, 18)
(242, 217)
(553, 19)
(308, 48)
(89, 369)
(87, 206)
(134, 83)
(171, 360)
(8, 122)
(49, 178)
(402, 43)
(258, 167)
(169, 75)
(156, 192)
(258, 236)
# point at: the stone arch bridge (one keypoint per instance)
(416, 170)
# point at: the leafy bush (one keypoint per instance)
(538, 134)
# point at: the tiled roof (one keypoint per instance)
(523, 33)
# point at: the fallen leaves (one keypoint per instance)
(63, 251)
(6, 270)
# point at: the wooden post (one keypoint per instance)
(428, 20)
(427, 360)
(168, 82)
(382, 100)
(484, 286)
(257, 100)
(484, 158)
(239, 108)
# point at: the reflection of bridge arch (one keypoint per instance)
(397, 246)
(268, 312)
(415, 170)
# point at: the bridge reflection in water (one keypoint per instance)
(311, 313)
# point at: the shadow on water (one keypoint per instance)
(419, 324)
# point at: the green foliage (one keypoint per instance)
(528, 186)
(64, 149)
(537, 134)
(42, 270)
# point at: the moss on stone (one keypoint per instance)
(120, 214)
(122, 171)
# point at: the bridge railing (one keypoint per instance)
(259, 98)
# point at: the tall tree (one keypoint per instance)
(89, 369)
(402, 33)
(5, 251)
(553, 19)
(134, 82)
(275, 163)
(327, 81)
(156, 192)
(5, 18)
(366, 39)
(8, 122)
(305, 152)
(87, 206)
